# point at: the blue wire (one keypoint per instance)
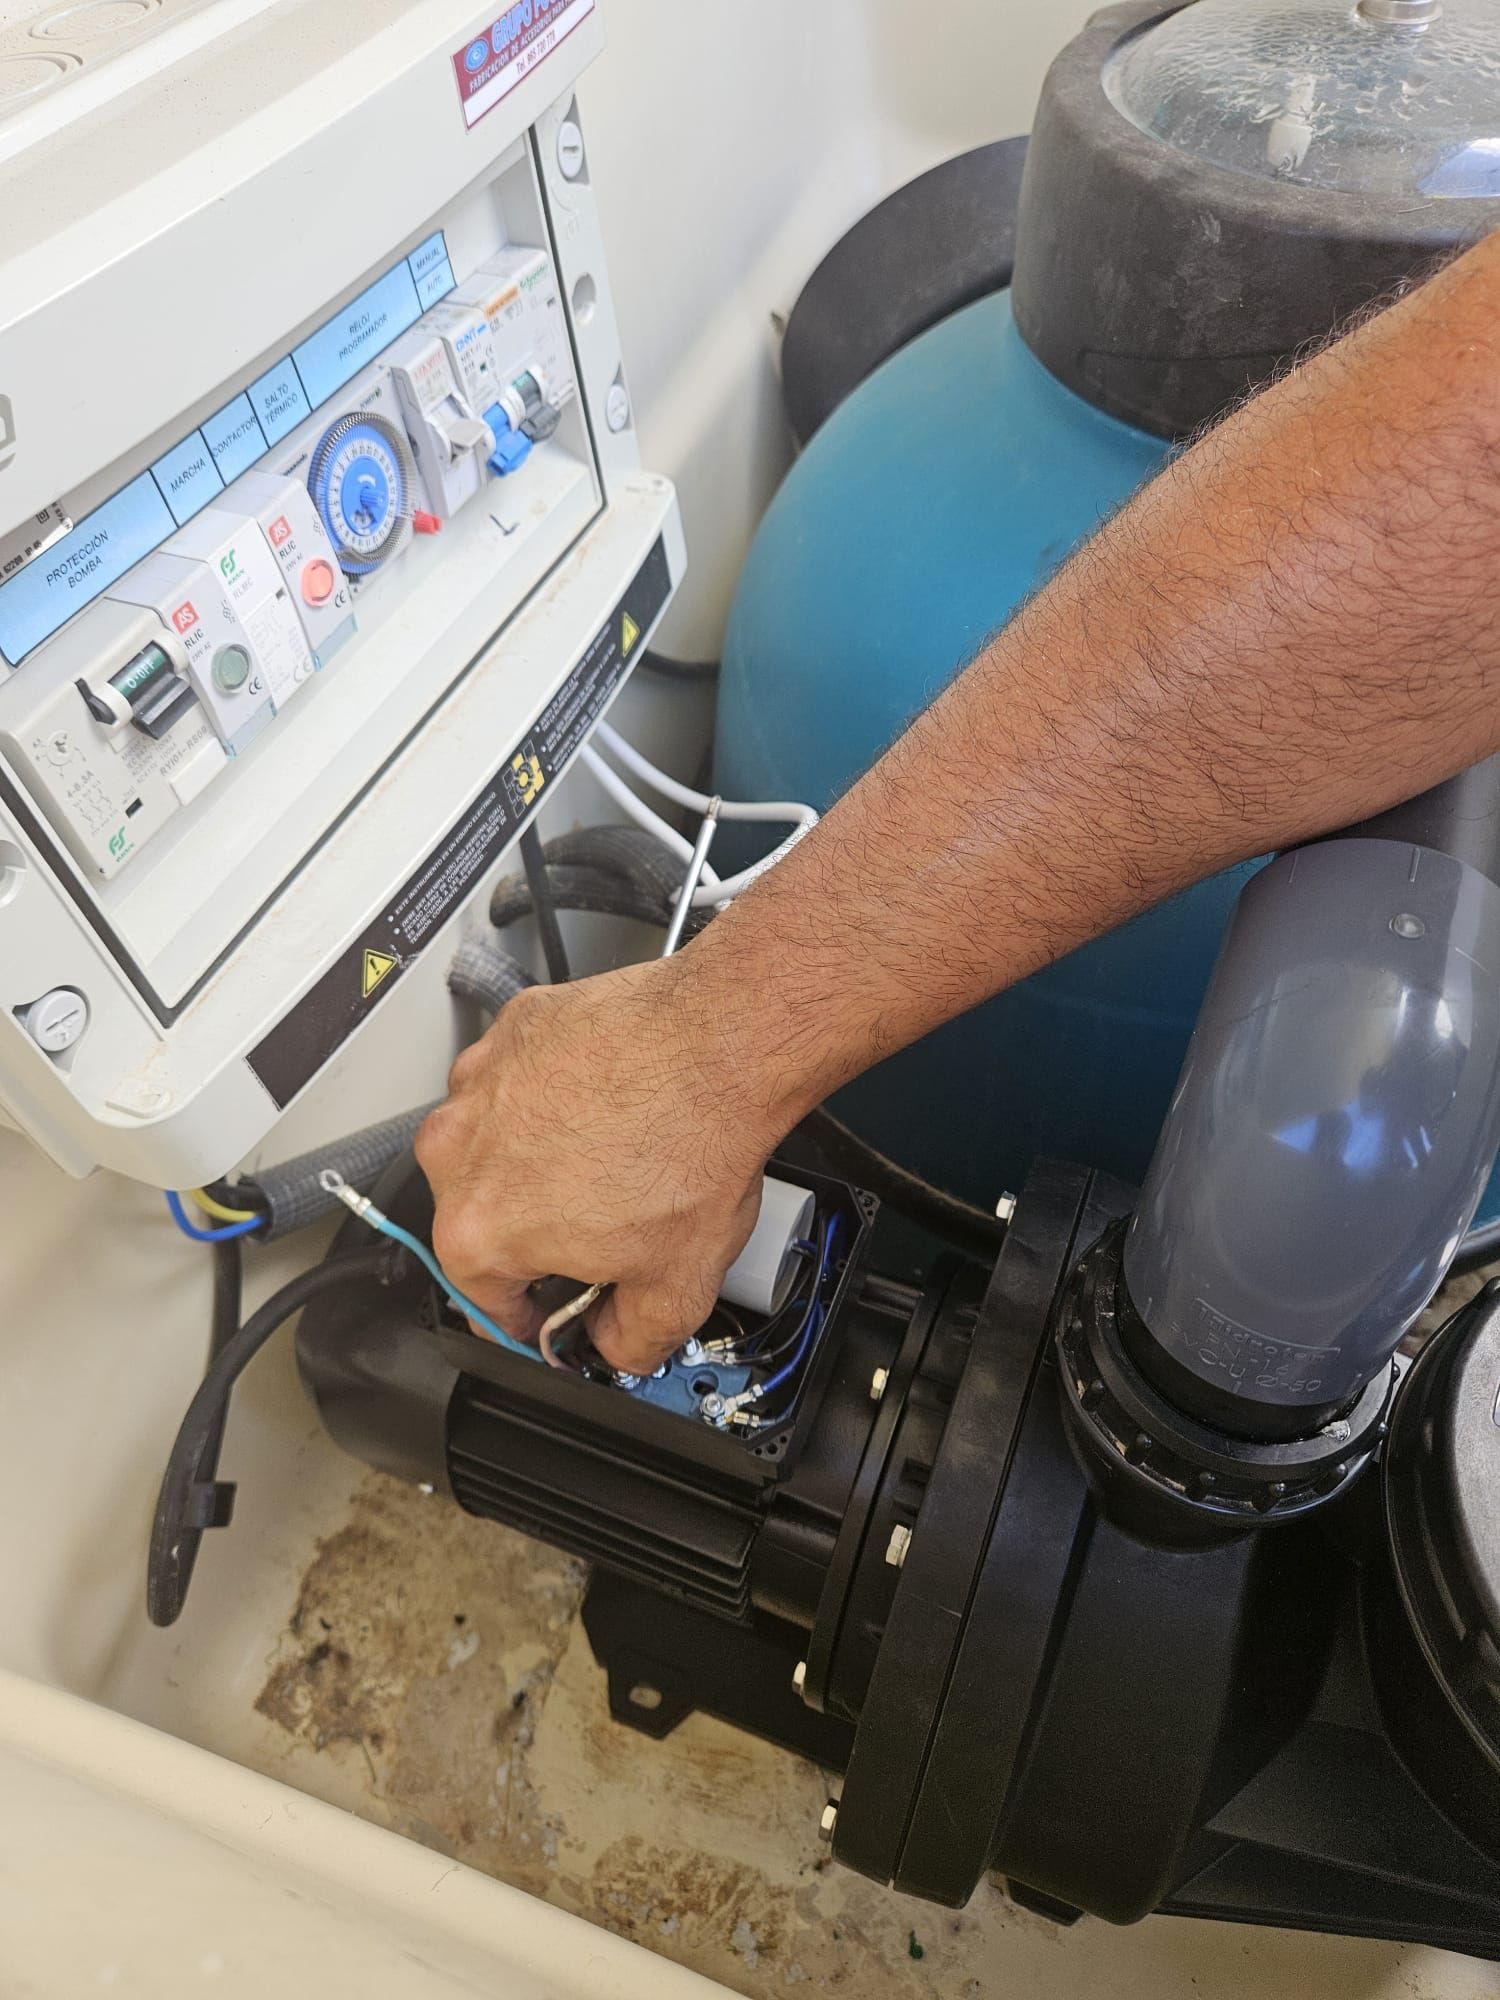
(466, 1306)
(813, 1319)
(225, 1235)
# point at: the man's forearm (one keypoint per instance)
(1295, 625)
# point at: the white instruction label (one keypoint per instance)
(36, 532)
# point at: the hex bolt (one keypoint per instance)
(896, 1547)
(829, 1820)
(877, 1383)
(799, 1676)
(1005, 1208)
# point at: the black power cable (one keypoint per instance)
(236, 1194)
(959, 1222)
(192, 1499)
(1480, 1247)
(679, 670)
(211, 1503)
(222, 1327)
(553, 949)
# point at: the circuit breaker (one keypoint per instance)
(273, 642)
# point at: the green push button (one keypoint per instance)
(231, 668)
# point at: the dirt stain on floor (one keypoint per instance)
(432, 1675)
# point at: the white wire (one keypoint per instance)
(636, 807)
(714, 893)
(711, 892)
(775, 810)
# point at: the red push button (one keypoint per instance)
(318, 581)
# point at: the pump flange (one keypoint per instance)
(1168, 1467)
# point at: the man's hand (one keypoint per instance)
(583, 1138)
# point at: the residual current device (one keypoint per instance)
(324, 538)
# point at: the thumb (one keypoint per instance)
(637, 1327)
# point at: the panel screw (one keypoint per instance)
(1005, 1208)
(829, 1820)
(877, 1384)
(896, 1547)
(799, 1676)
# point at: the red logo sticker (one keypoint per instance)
(279, 530)
(525, 34)
(185, 617)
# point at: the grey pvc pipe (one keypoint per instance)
(1337, 1117)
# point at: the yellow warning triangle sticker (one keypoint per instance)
(378, 964)
(629, 633)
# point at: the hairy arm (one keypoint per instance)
(1297, 624)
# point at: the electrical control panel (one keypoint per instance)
(329, 575)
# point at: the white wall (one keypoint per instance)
(731, 145)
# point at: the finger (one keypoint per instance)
(475, 1264)
(637, 1327)
(510, 1305)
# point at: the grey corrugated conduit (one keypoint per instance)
(290, 1193)
(482, 972)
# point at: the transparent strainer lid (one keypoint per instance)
(1388, 98)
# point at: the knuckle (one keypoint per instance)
(466, 1064)
(461, 1238)
(658, 1319)
(522, 1011)
(432, 1140)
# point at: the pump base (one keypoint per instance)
(665, 1661)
